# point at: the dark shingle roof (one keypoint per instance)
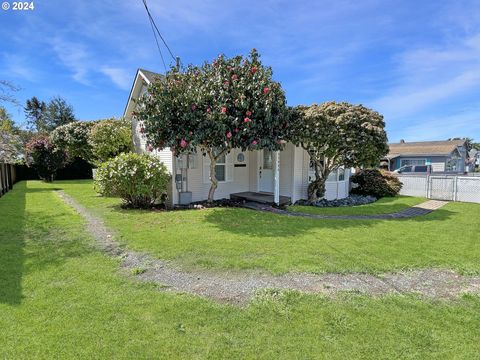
(423, 148)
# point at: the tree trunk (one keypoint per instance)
(316, 189)
(213, 177)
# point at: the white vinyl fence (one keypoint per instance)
(442, 187)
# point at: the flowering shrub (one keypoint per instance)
(228, 103)
(108, 138)
(45, 157)
(73, 138)
(375, 182)
(139, 179)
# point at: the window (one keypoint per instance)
(451, 164)
(420, 169)
(332, 176)
(186, 161)
(220, 171)
(404, 162)
(341, 174)
(267, 160)
(405, 169)
(223, 168)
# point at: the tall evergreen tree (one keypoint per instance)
(58, 112)
(35, 112)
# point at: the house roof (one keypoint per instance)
(423, 148)
(150, 76)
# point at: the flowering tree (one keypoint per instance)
(45, 157)
(73, 138)
(338, 134)
(229, 103)
(108, 138)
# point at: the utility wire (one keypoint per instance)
(158, 46)
(152, 22)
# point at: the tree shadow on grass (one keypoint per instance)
(263, 224)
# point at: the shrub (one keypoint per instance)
(139, 179)
(375, 182)
(108, 138)
(45, 157)
(73, 138)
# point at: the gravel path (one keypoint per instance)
(417, 210)
(239, 288)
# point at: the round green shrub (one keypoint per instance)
(375, 182)
(139, 179)
(110, 137)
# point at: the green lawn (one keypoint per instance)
(238, 239)
(382, 206)
(61, 298)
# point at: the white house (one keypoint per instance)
(279, 177)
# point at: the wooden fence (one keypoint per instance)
(7, 177)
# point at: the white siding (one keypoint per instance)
(333, 189)
(239, 183)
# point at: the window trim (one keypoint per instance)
(412, 159)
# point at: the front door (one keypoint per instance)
(265, 171)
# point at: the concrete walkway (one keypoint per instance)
(417, 210)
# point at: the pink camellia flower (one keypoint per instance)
(183, 143)
(247, 120)
(194, 107)
(229, 135)
(249, 113)
(224, 110)
(234, 77)
(236, 130)
(253, 70)
(254, 142)
(266, 90)
(190, 133)
(149, 147)
(209, 110)
(226, 83)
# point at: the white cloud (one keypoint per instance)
(118, 76)
(75, 57)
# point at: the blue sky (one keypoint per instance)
(416, 62)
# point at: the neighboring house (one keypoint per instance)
(474, 159)
(274, 176)
(443, 156)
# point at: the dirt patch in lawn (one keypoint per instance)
(239, 288)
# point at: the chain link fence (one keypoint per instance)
(442, 187)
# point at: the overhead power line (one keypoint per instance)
(156, 32)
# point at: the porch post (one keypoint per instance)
(276, 177)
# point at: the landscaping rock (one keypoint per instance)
(352, 200)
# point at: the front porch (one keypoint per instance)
(260, 197)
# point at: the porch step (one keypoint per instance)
(259, 197)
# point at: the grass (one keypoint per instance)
(61, 298)
(239, 239)
(382, 206)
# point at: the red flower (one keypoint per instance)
(190, 133)
(209, 110)
(234, 77)
(226, 83)
(224, 110)
(254, 142)
(194, 107)
(229, 135)
(249, 113)
(183, 143)
(266, 90)
(253, 70)
(247, 120)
